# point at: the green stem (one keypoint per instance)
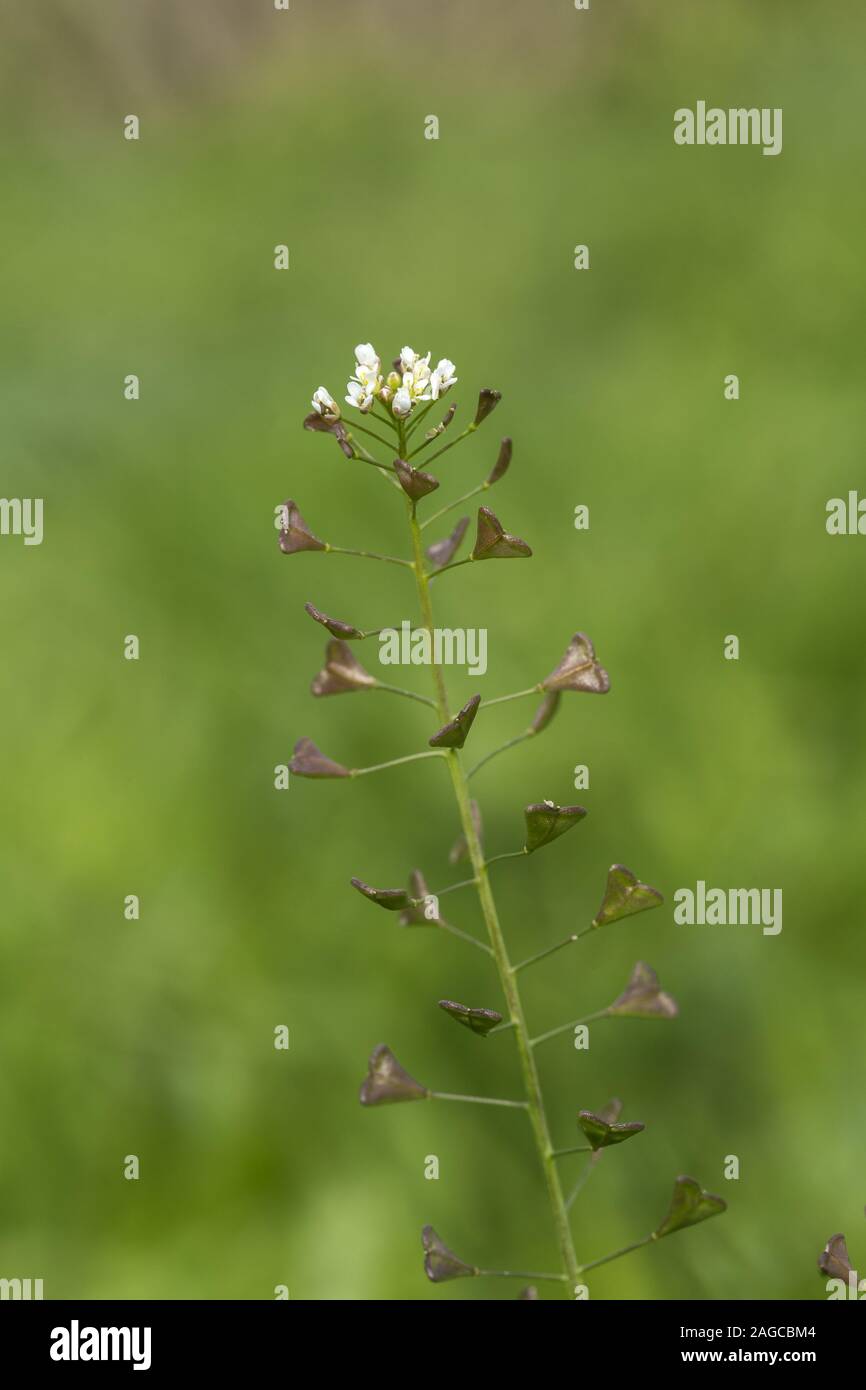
(551, 950)
(381, 413)
(531, 1080)
(626, 1250)
(419, 416)
(452, 888)
(518, 1274)
(395, 762)
(455, 565)
(578, 1149)
(364, 456)
(581, 1183)
(445, 447)
(389, 443)
(368, 555)
(398, 690)
(518, 695)
(565, 1027)
(478, 1100)
(503, 748)
(463, 936)
(443, 511)
(511, 854)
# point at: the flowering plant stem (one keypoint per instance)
(507, 978)
(399, 402)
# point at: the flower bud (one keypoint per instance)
(402, 403)
(493, 543)
(386, 1082)
(453, 734)
(324, 404)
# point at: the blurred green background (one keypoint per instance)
(154, 1037)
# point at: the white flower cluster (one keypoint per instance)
(399, 391)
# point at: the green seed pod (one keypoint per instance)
(453, 734)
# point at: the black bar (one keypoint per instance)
(215, 1339)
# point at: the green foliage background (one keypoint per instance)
(707, 518)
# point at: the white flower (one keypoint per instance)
(408, 383)
(325, 405)
(366, 356)
(366, 384)
(442, 378)
(359, 396)
(416, 377)
(370, 377)
(413, 365)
